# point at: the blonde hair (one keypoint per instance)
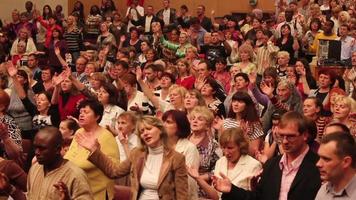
(248, 49)
(148, 120)
(204, 112)
(236, 136)
(347, 15)
(180, 89)
(348, 101)
(283, 53)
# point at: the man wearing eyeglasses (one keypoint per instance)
(291, 176)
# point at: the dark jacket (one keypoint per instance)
(304, 186)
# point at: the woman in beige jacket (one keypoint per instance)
(156, 171)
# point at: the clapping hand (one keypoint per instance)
(63, 190)
(222, 184)
(267, 89)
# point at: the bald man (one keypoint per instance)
(53, 177)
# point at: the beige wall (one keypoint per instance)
(6, 6)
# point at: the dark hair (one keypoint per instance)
(250, 113)
(184, 7)
(317, 102)
(221, 60)
(93, 12)
(330, 74)
(124, 64)
(23, 73)
(217, 88)
(243, 75)
(295, 118)
(51, 70)
(345, 145)
(287, 25)
(315, 20)
(130, 79)
(50, 13)
(343, 127)
(309, 76)
(312, 130)
(60, 36)
(180, 118)
(112, 91)
(154, 67)
(331, 22)
(54, 133)
(170, 76)
(94, 105)
(72, 125)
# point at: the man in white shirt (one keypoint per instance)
(134, 12)
(347, 42)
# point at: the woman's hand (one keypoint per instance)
(252, 77)
(57, 51)
(139, 76)
(11, 69)
(267, 89)
(222, 184)
(87, 140)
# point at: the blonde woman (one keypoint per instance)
(246, 56)
(344, 111)
(163, 173)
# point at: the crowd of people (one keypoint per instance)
(177, 105)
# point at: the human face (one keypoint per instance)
(240, 83)
(299, 67)
(220, 67)
(46, 149)
(244, 55)
(134, 35)
(66, 85)
(21, 48)
(285, 30)
(166, 3)
(343, 31)
(238, 106)
(314, 26)
(310, 109)
(341, 110)
(80, 65)
(234, 70)
(166, 82)
(150, 74)
(190, 53)
(231, 152)
(150, 55)
(87, 117)
(42, 103)
(182, 68)
(330, 165)
(144, 46)
(324, 81)
(182, 38)
(283, 93)
(103, 27)
(65, 131)
(200, 10)
(282, 60)
(292, 141)
(203, 70)
(328, 27)
(215, 38)
(55, 34)
(150, 135)
(89, 69)
(125, 126)
(21, 79)
(256, 24)
(198, 123)
(32, 62)
(95, 84)
(149, 10)
(190, 101)
(175, 98)
(103, 96)
(46, 75)
(207, 90)
(171, 126)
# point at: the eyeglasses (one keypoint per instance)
(289, 138)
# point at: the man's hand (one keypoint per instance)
(63, 190)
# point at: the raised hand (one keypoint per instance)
(122, 38)
(57, 79)
(267, 89)
(57, 51)
(253, 77)
(222, 184)
(63, 190)
(11, 69)
(139, 74)
(87, 141)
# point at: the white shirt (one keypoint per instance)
(111, 112)
(166, 16)
(133, 141)
(148, 23)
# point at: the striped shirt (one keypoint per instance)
(74, 40)
(253, 130)
(265, 57)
